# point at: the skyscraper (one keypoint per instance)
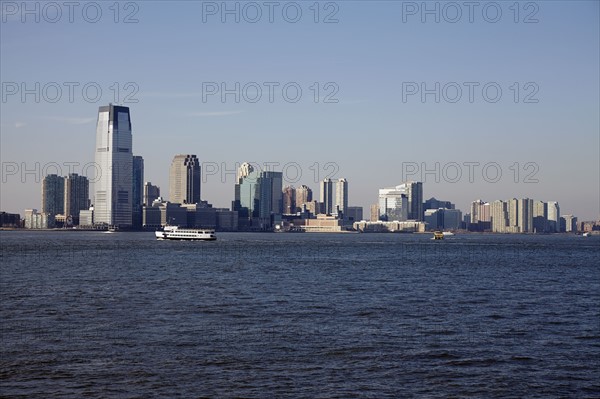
(393, 204)
(414, 192)
(499, 216)
(513, 215)
(138, 181)
(553, 217)
(525, 217)
(151, 193)
(258, 197)
(246, 192)
(137, 191)
(53, 195)
(289, 200)
(270, 197)
(540, 217)
(77, 194)
(113, 197)
(326, 196)
(341, 195)
(184, 180)
(480, 211)
(303, 196)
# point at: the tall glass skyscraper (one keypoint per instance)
(414, 192)
(271, 195)
(113, 188)
(184, 179)
(53, 194)
(258, 197)
(246, 192)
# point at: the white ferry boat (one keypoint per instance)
(178, 233)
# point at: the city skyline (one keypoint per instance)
(261, 194)
(374, 134)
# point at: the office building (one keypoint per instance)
(409, 226)
(393, 204)
(77, 193)
(270, 197)
(184, 179)
(374, 213)
(433, 203)
(289, 200)
(227, 220)
(553, 217)
(326, 196)
(341, 196)
(10, 220)
(499, 216)
(258, 198)
(433, 218)
(354, 214)
(540, 217)
(53, 195)
(86, 217)
(303, 196)
(570, 223)
(113, 188)
(480, 211)
(451, 219)
(525, 215)
(161, 213)
(137, 191)
(151, 193)
(414, 193)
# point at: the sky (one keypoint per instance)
(490, 101)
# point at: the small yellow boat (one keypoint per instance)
(438, 235)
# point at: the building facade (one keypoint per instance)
(151, 193)
(289, 200)
(113, 188)
(341, 196)
(184, 179)
(53, 195)
(326, 196)
(393, 204)
(304, 195)
(77, 194)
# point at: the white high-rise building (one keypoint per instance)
(499, 216)
(341, 195)
(113, 188)
(553, 217)
(393, 204)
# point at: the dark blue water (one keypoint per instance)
(299, 315)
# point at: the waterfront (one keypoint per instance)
(299, 315)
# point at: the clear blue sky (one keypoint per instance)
(370, 54)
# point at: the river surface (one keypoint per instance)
(96, 315)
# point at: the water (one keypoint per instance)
(299, 315)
